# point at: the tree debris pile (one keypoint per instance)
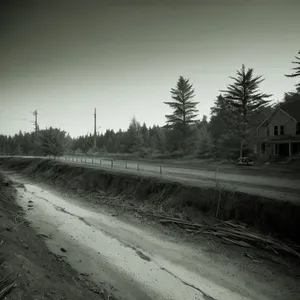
(237, 234)
(229, 231)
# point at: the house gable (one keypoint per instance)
(292, 107)
(278, 118)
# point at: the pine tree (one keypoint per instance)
(184, 108)
(133, 140)
(145, 134)
(296, 71)
(204, 142)
(244, 98)
(51, 141)
(222, 119)
(291, 97)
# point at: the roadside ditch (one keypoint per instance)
(184, 205)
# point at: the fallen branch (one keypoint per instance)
(239, 243)
(235, 234)
(6, 290)
(228, 231)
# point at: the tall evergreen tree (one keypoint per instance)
(184, 108)
(145, 134)
(204, 142)
(296, 72)
(244, 98)
(51, 141)
(133, 140)
(222, 127)
(291, 97)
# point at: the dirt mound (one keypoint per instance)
(279, 217)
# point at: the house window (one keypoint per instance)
(281, 130)
(275, 130)
(276, 149)
(262, 148)
(298, 128)
(268, 131)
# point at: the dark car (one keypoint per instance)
(244, 161)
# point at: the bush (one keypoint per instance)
(177, 154)
(78, 152)
(90, 152)
(169, 155)
(145, 152)
(69, 152)
(205, 155)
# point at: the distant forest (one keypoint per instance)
(230, 132)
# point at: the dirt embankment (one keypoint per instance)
(191, 203)
(27, 269)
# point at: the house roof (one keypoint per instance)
(292, 108)
(267, 119)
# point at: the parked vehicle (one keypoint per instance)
(244, 161)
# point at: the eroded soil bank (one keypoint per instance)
(279, 217)
(129, 259)
(28, 270)
(191, 203)
(124, 256)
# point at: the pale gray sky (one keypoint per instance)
(65, 60)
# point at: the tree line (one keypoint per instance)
(235, 114)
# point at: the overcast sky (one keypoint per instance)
(123, 59)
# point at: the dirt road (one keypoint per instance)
(281, 188)
(140, 262)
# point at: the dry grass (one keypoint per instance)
(224, 196)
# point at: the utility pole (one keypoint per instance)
(35, 113)
(95, 130)
(36, 128)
